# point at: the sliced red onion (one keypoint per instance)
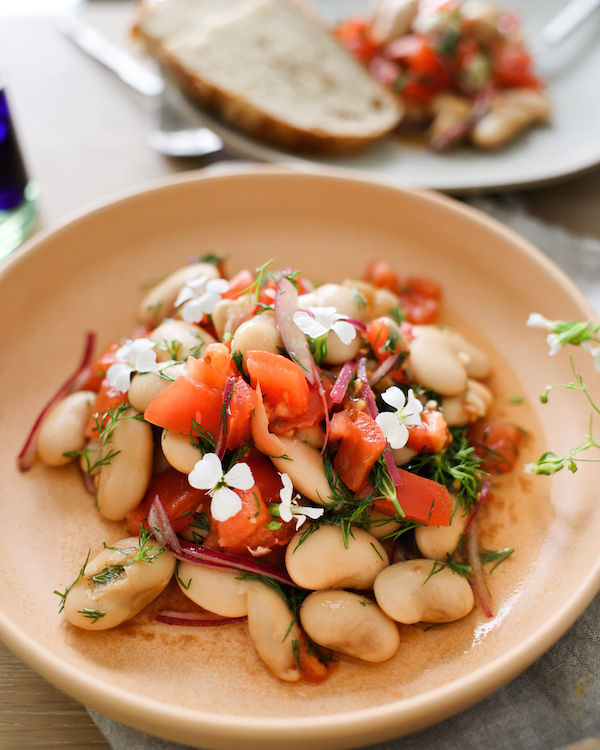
(286, 304)
(323, 395)
(452, 134)
(74, 383)
(194, 619)
(386, 366)
(340, 387)
(160, 525)
(221, 442)
(361, 371)
(357, 324)
(480, 590)
(485, 490)
(88, 482)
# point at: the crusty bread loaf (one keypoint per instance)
(159, 21)
(272, 71)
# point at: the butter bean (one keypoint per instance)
(437, 542)
(346, 622)
(63, 430)
(473, 359)
(177, 340)
(468, 406)
(145, 386)
(179, 451)
(115, 587)
(259, 333)
(404, 595)
(273, 630)
(304, 464)
(218, 590)
(323, 561)
(433, 363)
(125, 478)
(159, 302)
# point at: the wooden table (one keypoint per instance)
(82, 134)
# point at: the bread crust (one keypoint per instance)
(261, 125)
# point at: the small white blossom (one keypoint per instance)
(199, 297)
(289, 507)
(208, 475)
(594, 351)
(394, 424)
(133, 356)
(537, 320)
(320, 320)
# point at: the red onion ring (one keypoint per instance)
(477, 578)
(194, 619)
(221, 442)
(340, 387)
(74, 383)
(383, 369)
(286, 304)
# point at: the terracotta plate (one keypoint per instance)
(206, 687)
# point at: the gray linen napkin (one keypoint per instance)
(556, 702)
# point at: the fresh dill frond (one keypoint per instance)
(496, 556)
(80, 575)
(92, 614)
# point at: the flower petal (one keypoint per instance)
(192, 311)
(395, 432)
(394, 396)
(186, 293)
(285, 493)
(207, 473)
(411, 413)
(346, 332)
(285, 512)
(240, 477)
(313, 512)
(217, 286)
(308, 325)
(119, 376)
(146, 360)
(537, 320)
(225, 504)
(554, 343)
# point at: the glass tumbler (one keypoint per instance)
(17, 193)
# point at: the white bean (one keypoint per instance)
(326, 559)
(273, 629)
(381, 524)
(229, 314)
(392, 19)
(473, 359)
(304, 465)
(159, 302)
(437, 542)
(125, 477)
(178, 340)
(338, 352)
(114, 586)
(145, 386)
(259, 334)
(468, 406)
(63, 430)
(218, 590)
(347, 622)
(343, 298)
(179, 451)
(512, 110)
(409, 593)
(433, 363)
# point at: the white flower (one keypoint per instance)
(594, 351)
(320, 320)
(289, 508)
(208, 475)
(394, 424)
(133, 356)
(200, 296)
(537, 320)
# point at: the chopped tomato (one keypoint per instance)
(314, 414)
(213, 368)
(417, 53)
(513, 68)
(242, 403)
(431, 435)
(238, 285)
(421, 499)
(419, 308)
(361, 443)
(497, 443)
(108, 398)
(423, 285)
(266, 476)
(178, 497)
(354, 36)
(282, 383)
(382, 275)
(384, 337)
(183, 403)
(312, 669)
(100, 366)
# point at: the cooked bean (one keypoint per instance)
(314, 436)
(409, 593)
(347, 622)
(437, 542)
(160, 300)
(90, 460)
(178, 340)
(179, 451)
(433, 363)
(337, 352)
(145, 386)
(403, 455)
(322, 560)
(392, 19)
(125, 477)
(512, 111)
(482, 17)
(273, 629)
(304, 465)
(473, 403)
(343, 298)
(381, 524)
(475, 361)
(259, 333)
(117, 584)
(63, 430)
(217, 590)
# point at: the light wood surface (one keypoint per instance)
(83, 137)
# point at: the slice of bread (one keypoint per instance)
(269, 69)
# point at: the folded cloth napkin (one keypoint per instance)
(556, 702)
